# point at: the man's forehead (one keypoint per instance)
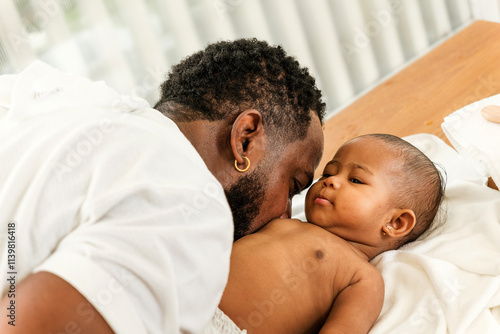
(306, 154)
(302, 156)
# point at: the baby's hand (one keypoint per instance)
(491, 113)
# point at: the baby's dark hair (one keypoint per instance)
(229, 77)
(421, 188)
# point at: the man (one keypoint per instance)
(116, 214)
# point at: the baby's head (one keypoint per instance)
(378, 190)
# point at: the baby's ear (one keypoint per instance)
(403, 221)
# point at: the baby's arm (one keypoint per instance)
(358, 305)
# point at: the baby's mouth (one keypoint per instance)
(322, 200)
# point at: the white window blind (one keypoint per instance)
(348, 45)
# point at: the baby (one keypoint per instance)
(378, 193)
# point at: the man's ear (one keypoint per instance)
(403, 221)
(247, 136)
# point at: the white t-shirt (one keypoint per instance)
(108, 194)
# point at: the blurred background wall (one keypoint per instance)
(348, 45)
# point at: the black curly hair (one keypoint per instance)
(229, 77)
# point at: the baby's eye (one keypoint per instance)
(326, 175)
(355, 180)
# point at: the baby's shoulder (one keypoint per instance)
(369, 276)
(368, 270)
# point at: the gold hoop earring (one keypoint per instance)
(244, 169)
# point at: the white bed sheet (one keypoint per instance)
(448, 281)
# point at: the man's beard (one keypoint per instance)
(245, 198)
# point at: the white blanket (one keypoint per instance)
(477, 139)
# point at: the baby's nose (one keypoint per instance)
(332, 181)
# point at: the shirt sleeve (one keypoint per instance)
(154, 231)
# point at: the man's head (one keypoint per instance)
(254, 105)
(377, 189)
